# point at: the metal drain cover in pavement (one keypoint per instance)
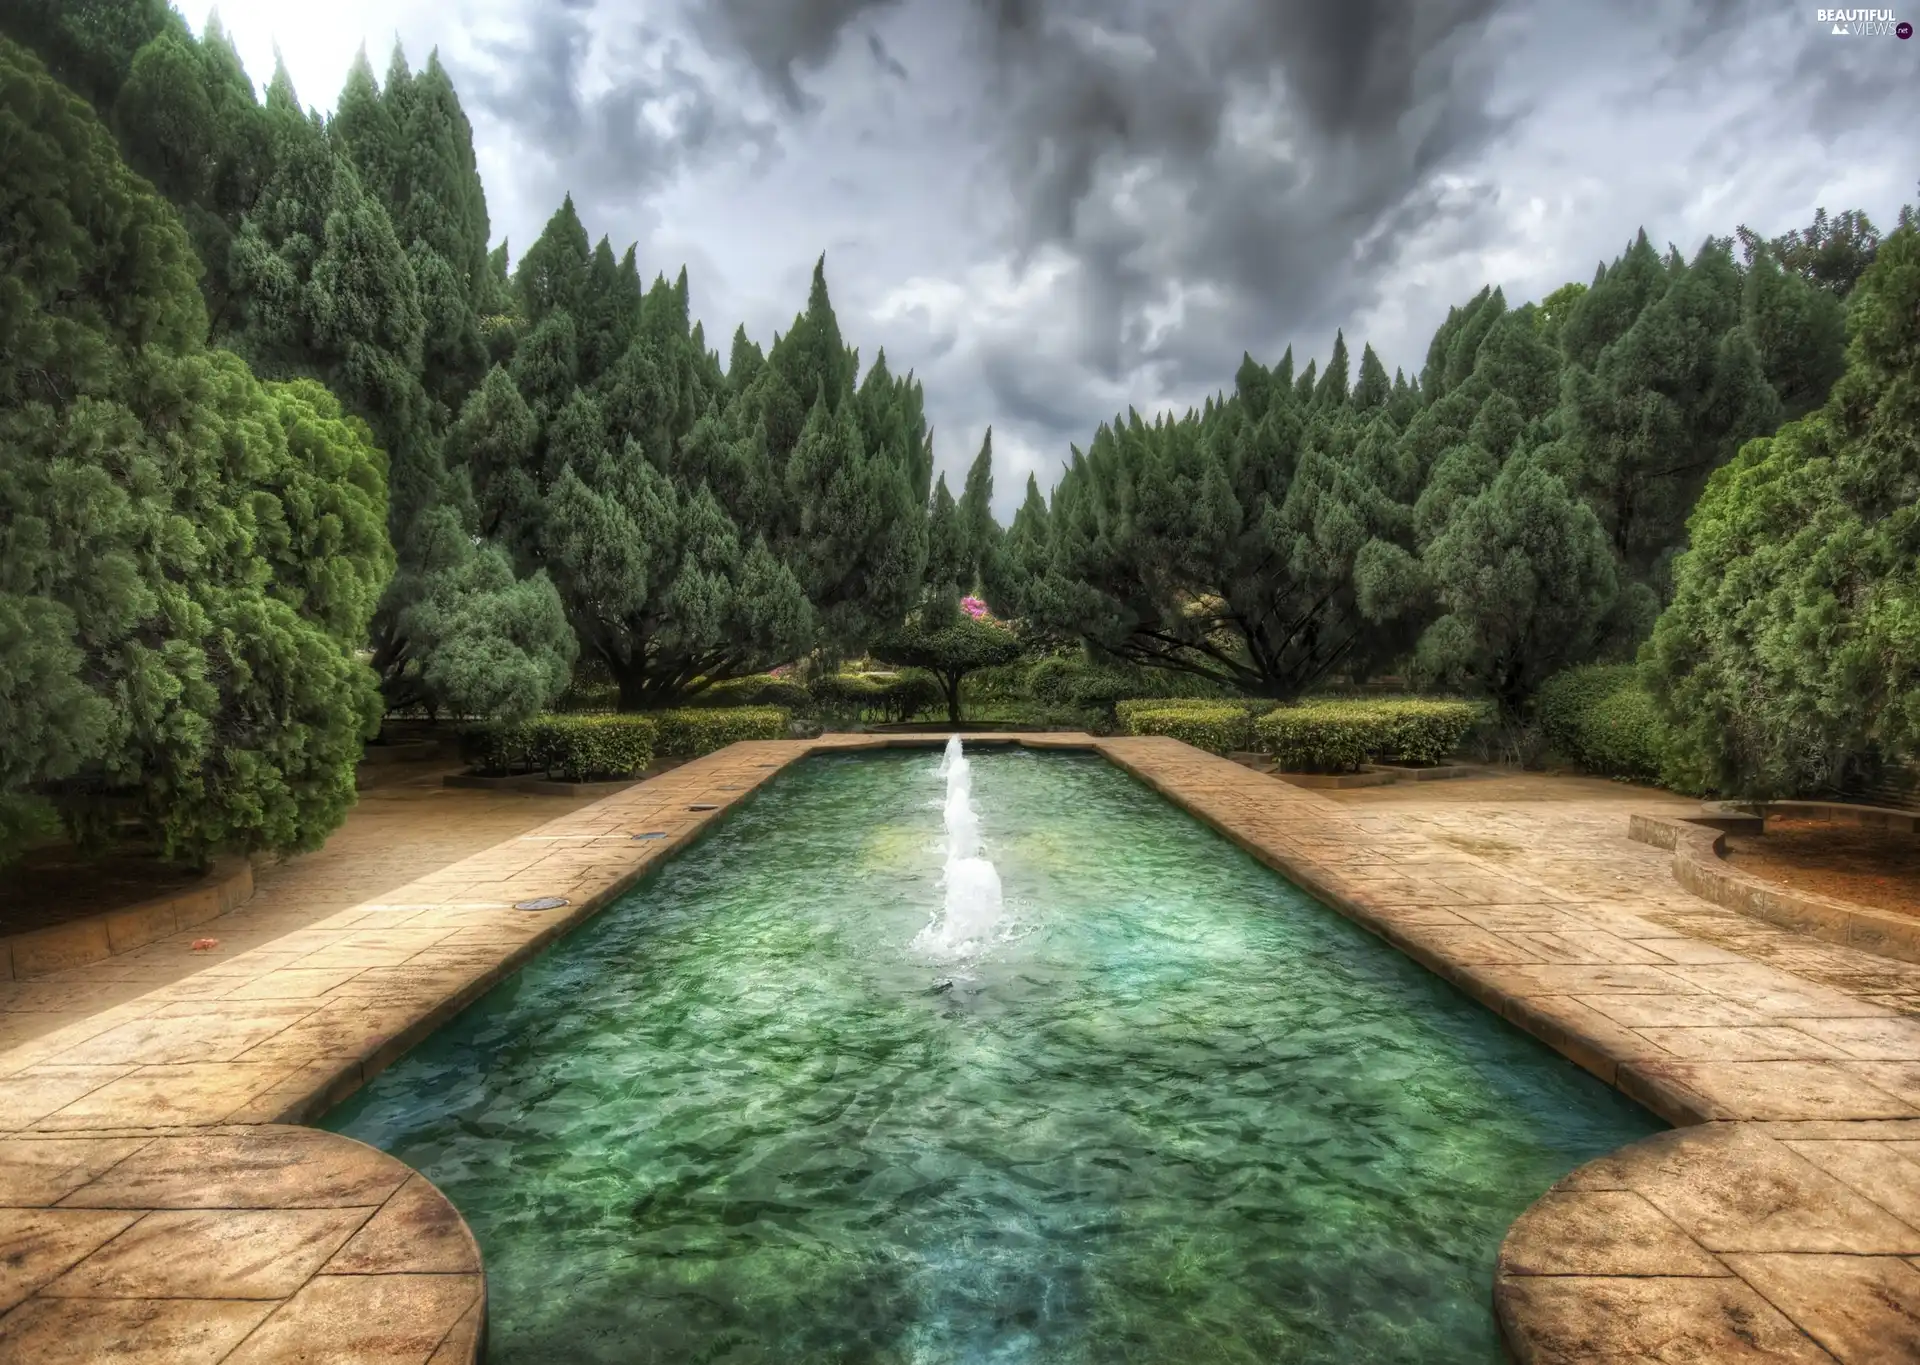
(652, 834)
(543, 903)
(703, 806)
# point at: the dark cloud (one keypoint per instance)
(783, 37)
(884, 59)
(609, 146)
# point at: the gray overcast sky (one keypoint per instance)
(1054, 209)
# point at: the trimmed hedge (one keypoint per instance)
(1217, 727)
(594, 748)
(695, 730)
(759, 689)
(570, 748)
(1604, 719)
(1075, 684)
(1124, 711)
(1340, 736)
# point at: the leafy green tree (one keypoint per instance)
(1667, 398)
(1526, 578)
(1789, 661)
(949, 643)
(699, 525)
(188, 558)
(1831, 253)
(1223, 545)
(1556, 307)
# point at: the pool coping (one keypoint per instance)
(308, 1018)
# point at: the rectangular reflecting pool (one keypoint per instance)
(1163, 1107)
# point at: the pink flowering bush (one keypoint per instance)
(974, 607)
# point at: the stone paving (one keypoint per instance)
(154, 1193)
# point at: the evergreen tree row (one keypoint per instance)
(1514, 509)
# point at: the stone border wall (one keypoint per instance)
(1699, 865)
(227, 886)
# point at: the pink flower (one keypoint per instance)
(973, 607)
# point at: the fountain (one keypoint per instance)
(972, 904)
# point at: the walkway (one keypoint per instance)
(153, 1196)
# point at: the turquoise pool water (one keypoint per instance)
(1177, 1111)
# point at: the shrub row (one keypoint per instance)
(1219, 727)
(899, 697)
(1075, 684)
(596, 748)
(694, 730)
(577, 748)
(1602, 718)
(1340, 736)
(759, 689)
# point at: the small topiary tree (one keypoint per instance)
(951, 640)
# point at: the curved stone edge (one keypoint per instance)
(227, 886)
(1699, 865)
(1726, 1241)
(249, 1246)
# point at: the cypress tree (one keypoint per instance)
(980, 533)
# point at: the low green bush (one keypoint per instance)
(1125, 710)
(499, 749)
(1604, 719)
(695, 730)
(1066, 682)
(759, 689)
(1340, 736)
(1217, 727)
(569, 748)
(843, 696)
(908, 694)
(594, 748)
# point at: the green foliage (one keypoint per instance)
(949, 644)
(909, 694)
(1341, 736)
(1525, 577)
(1790, 658)
(1076, 684)
(567, 748)
(593, 748)
(1673, 386)
(1603, 718)
(1831, 253)
(472, 639)
(1217, 727)
(690, 732)
(1126, 709)
(842, 697)
(759, 689)
(190, 557)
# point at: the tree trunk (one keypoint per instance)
(950, 683)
